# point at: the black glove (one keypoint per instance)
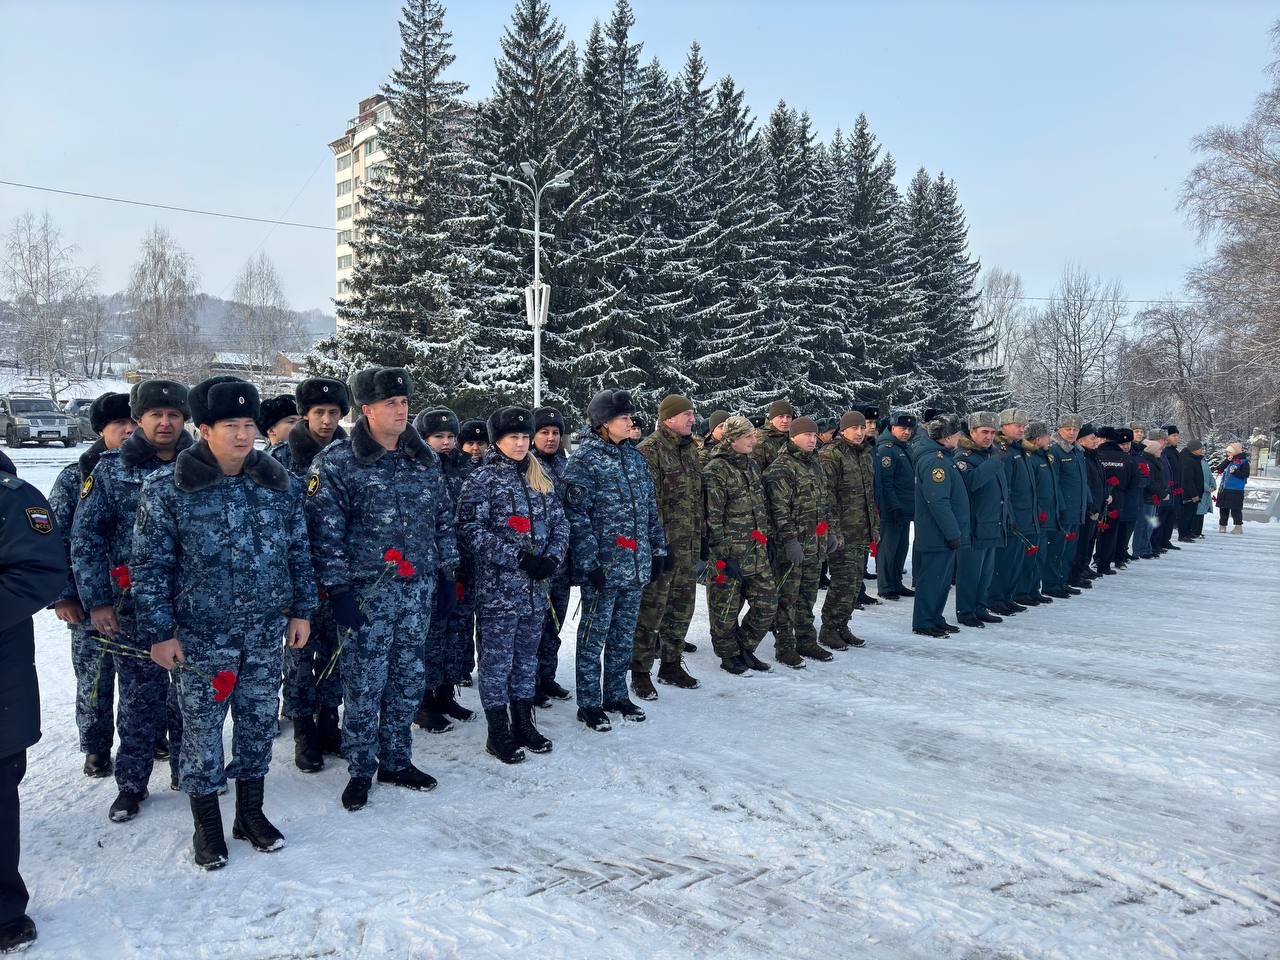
(345, 608)
(596, 578)
(446, 594)
(669, 561)
(896, 516)
(704, 551)
(657, 567)
(771, 552)
(793, 552)
(731, 569)
(537, 566)
(953, 544)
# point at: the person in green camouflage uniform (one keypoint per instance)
(738, 565)
(666, 607)
(771, 439)
(715, 429)
(799, 507)
(850, 469)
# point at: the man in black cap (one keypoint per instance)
(1163, 538)
(1118, 474)
(895, 483)
(95, 671)
(276, 418)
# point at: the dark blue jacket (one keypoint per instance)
(64, 498)
(942, 500)
(1022, 485)
(987, 481)
(1118, 475)
(1044, 463)
(1235, 473)
(895, 478)
(1130, 506)
(297, 453)
(1173, 465)
(1073, 483)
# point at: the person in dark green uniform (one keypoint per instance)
(1073, 490)
(985, 479)
(942, 524)
(895, 494)
(1023, 528)
(1044, 466)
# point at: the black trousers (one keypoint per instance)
(13, 892)
(1231, 502)
(1122, 554)
(1084, 548)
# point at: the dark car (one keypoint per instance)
(78, 410)
(30, 418)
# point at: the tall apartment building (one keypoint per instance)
(357, 154)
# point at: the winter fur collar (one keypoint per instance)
(89, 459)
(138, 450)
(966, 443)
(196, 470)
(1030, 446)
(1063, 445)
(303, 447)
(368, 450)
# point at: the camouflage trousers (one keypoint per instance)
(148, 707)
(797, 588)
(549, 645)
(666, 609)
(95, 673)
(725, 602)
(305, 693)
(254, 652)
(450, 648)
(847, 566)
(508, 667)
(383, 678)
(606, 630)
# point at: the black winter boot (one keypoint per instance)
(447, 703)
(629, 710)
(208, 843)
(642, 685)
(734, 665)
(595, 718)
(673, 673)
(97, 764)
(554, 690)
(17, 934)
(523, 731)
(356, 793)
(330, 731)
(429, 717)
(500, 743)
(251, 823)
(751, 660)
(307, 755)
(126, 806)
(409, 776)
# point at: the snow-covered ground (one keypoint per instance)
(1095, 779)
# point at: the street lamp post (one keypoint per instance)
(537, 296)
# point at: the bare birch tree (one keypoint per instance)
(261, 320)
(162, 290)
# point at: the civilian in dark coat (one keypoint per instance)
(1190, 520)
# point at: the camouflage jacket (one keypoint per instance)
(494, 493)
(363, 500)
(102, 531)
(850, 469)
(799, 499)
(297, 453)
(736, 506)
(705, 449)
(610, 495)
(63, 499)
(214, 553)
(770, 442)
(677, 478)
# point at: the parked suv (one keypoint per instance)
(30, 418)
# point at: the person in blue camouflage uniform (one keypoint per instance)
(549, 436)
(473, 441)
(512, 570)
(987, 483)
(312, 697)
(101, 540)
(1048, 507)
(276, 418)
(610, 499)
(1023, 527)
(446, 660)
(895, 487)
(382, 489)
(222, 570)
(95, 670)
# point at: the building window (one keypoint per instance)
(344, 286)
(344, 212)
(344, 262)
(377, 172)
(344, 236)
(344, 161)
(344, 188)
(371, 145)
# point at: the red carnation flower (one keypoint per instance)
(1070, 536)
(223, 683)
(1032, 549)
(393, 556)
(875, 547)
(720, 564)
(1044, 515)
(626, 543)
(1113, 514)
(121, 576)
(459, 589)
(1113, 481)
(1104, 526)
(322, 595)
(759, 537)
(1155, 498)
(822, 528)
(519, 524)
(404, 568)
(721, 578)
(1177, 491)
(1145, 469)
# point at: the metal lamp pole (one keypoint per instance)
(537, 296)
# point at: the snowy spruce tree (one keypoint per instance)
(417, 265)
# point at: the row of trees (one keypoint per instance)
(689, 252)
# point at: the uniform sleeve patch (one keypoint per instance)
(938, 474)
(1051, 458)
(39, 519)
(313, 485)
(86, 488)
(962, 464)
(886, 461)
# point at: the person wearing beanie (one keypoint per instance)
(1024, 528)
(382, 489)
(276, 418)
(849, 467)
(549, 435)
(1033, 584)
(221, 570)
(800, 512)
(666, 605)
(987, 483)
(102, 532)
(95, 674)
(1235, 475)
(715, 429)
(826, 432)
(1171, 506)
(772, 438)
(740, 550)
(447, 661)
(1073, 491)
(618, 548)
(515, 531)
(895, 496)
(943, 525)
(1193, 488)
(1207, 498)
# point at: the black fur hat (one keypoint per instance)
(930, 414)
(1086, 430)
(274, 410)
(902, 419)
(223, 398)
(471, 431)
(1124, 435)
(1106, 433)
(109, 408)
(150, 394)
(436, 420)
(318, 390)
(607, 404)
(868, 410)
(375, 384)
(509, 420)
(547, 417)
